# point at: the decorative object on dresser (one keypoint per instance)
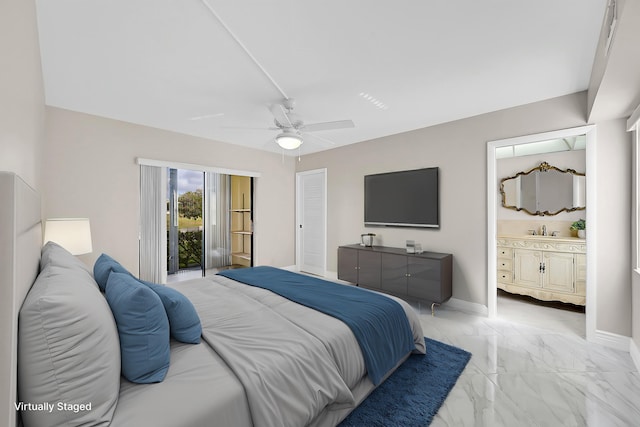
(426, 276)
(367, 239)
(411, 246)
(546, 268)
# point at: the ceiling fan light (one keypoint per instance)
(289, 141)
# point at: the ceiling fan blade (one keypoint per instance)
(317, 139)
(280, 115)
(340, 124)
(246, 128)
(206, 116)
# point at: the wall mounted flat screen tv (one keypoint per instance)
(402, 199)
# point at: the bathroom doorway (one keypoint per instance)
(508, 265)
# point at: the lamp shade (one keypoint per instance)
(289, 140)
(73, 234)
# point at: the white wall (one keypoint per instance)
(635, 275)
(21, 91)
(459, 149)
(614, 153)
(21, 142)
(91, 171)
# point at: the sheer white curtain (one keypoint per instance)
(153, 223)
(217, 232)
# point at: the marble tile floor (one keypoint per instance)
(531, 366)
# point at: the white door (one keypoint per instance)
(311, 221)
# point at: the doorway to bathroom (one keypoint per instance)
(537, 264)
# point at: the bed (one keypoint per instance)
(263, 359)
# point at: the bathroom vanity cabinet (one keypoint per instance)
(546, 268)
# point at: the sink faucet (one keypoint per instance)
(544, 230)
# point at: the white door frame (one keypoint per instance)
(492, 200)
(299, 176)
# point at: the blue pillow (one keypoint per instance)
(183, 320)
(143, 328)
(184, 323)
(103, 267)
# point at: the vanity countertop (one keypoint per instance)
(545, 238)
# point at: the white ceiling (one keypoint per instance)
(161, 62)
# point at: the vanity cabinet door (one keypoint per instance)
(527, 268)
(580, 276)
(558, 271)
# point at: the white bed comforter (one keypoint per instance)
(293, 362)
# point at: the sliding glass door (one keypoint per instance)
(193, 221)
(202, 230)
(185, 217)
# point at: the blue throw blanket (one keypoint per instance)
(379, 323)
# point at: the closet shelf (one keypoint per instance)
(242, 255)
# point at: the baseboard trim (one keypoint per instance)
(615, 341)
(635, 354)
(331, 275)
(468, 307)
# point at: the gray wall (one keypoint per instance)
(635, 276)
(21, 91)
(91, 171)
(613, 227)
(459, 150)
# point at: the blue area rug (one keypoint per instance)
(412, 395)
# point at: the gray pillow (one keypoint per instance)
(68, 348)
(54, 254)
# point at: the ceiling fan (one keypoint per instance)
(293, 127)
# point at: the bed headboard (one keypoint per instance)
(20, 245)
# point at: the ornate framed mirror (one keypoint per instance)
(544, 190)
